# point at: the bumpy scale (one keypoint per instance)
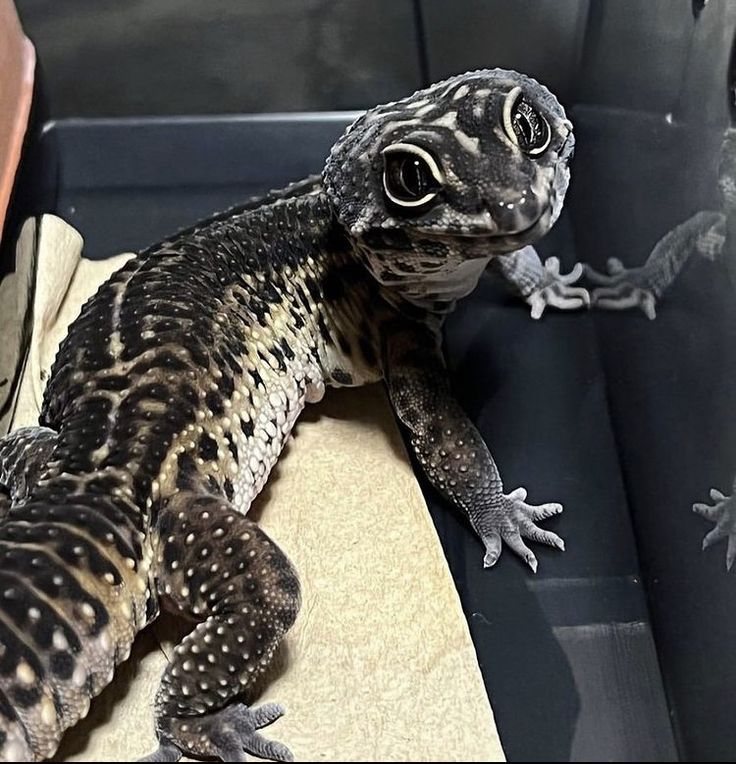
(172, 396)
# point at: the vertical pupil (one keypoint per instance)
(411, 177)
(524, 127)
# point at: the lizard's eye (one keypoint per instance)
(411, 176)
(524, 125)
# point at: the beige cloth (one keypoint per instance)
(380, 665)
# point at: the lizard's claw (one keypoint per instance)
(622, 288)
(557, 289)
(723, 513)
(515, 522)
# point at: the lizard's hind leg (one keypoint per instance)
(24, 454)
(221, 569)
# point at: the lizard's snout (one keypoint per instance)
(515, 214)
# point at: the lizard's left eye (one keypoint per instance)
(524, 125)
(411, 176)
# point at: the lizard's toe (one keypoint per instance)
(226, 735)
(515, 522)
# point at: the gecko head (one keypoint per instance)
(471, 167)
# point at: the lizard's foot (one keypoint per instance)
(243, 613)
(723, 513)
(556, 289)
(621, 288)
(513, 523)
(226, 735)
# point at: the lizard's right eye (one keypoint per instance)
(411, 176)
(524, 125)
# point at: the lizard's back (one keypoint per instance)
(186, 370)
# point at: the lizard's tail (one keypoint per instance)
(73, 593)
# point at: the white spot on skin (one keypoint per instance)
(14, 750)
(25, 674)
(48, 712)
(105, 642)
(79, 677)
(59, 641)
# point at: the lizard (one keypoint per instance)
(175, 389)
(709, 234)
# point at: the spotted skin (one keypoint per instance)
(219, 568)
(452, 451)
(172, 396)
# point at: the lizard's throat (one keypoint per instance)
(425, 281)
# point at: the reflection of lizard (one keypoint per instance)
(709, 233)
(175, 389)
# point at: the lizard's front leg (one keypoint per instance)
(452, 452)
(541, 284)
(622, 288)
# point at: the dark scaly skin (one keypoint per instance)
(175, 390)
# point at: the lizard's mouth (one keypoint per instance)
(505, 243)
(492, 240)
